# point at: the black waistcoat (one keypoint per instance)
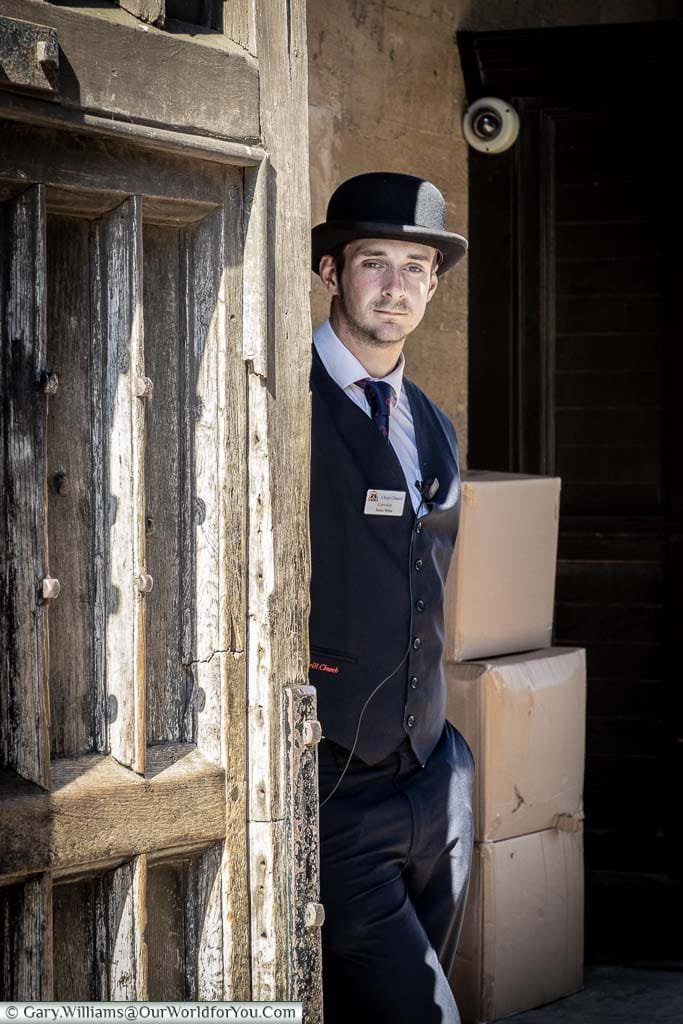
(364, 618)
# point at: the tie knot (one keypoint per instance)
(379, 394)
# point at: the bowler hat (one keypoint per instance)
(387, 205)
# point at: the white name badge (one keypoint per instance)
(384, 503)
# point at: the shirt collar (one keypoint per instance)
(342, 365)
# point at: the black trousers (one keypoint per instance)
(396, 847)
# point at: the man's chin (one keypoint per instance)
(388, 332)
(380, 338)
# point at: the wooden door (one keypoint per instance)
(158, 829)
(575, 372)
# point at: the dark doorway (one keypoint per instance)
(575, 371)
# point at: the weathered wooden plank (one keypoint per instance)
(151, 11)
(303, 734)
(238, 23)
(119, 265)
(233, 556)
(205, 299)
(70, 508)
(165, 554)
(145, 137)
(26, 946)
(204, 934)
(271, 952)
(162, 88)
(99, 926)
(95, 175)
(279, 470)
(99, 811)
(24, 702)
(121, 917)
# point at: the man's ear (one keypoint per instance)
(433, 282)
(328, 274)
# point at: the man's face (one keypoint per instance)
(385, 287)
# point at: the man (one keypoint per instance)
(395, 778)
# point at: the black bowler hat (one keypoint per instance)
(387, 205)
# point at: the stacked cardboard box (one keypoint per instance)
(521, 706)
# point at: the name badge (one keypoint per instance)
(384, 503)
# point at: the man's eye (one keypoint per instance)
(372, 264)
(415, 269)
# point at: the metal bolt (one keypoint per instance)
(314, 915)
(51, 588)
(46, 53)
(312, 733)
(49, 382)
(567, 822)
(144, 582)
(144, 387)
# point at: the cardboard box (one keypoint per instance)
(501, 585)
(524, 717)
(522, 938)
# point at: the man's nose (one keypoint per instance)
(392, 283)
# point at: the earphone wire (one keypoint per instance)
(394, 670)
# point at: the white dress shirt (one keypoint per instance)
(345, 370)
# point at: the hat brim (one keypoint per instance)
(326, 237)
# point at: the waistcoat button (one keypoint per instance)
(418, 564)
(420, 605)
(417, 643)
(418, 528)
(413, 682)
(410, 721)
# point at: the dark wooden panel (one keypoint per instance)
(630, 352)
(607, 312)
(611, 499)
(594, 335)
(638, 775)
(612, 735)
(637, 696)
(571, 61)
(582, 623)
(598, 200)
(611, 427)
(616, 540)
(10, 940)
(573, 241)
(615, 388)
(609, 581)
(595, 463)
(165, 932)
(629, 834)
(24, 616)
(74, 940)
(73, 357)
(185, 928)
(612, 660)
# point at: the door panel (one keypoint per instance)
(572, 373)
(154, 448)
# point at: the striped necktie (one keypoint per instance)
(379, 396)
